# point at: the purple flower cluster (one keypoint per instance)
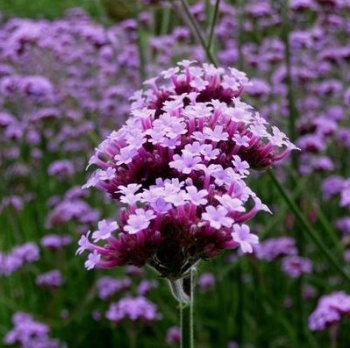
(20, 255)
(206, 282)
(173, 336)
(55, 242)
(276, 248)
(295, 266)
(284, 249)
(179, 165)
(13, 201)
(134, 309)
(51, 279)
(337, 186)
(29, 333)
(330, 310)
(108, 286)
(72, 207)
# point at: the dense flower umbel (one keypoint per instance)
(178, 165)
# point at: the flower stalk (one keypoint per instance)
(186, 325)
(194, 26)
(307, 227)
(183, 291)
(186, 313)
(212, 26)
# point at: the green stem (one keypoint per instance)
(165, 21)
(180, 12)
(292, 117)
(183, 291)
(293, 112)
(186, 316)
(334, 334)
(197, 32)
(240, 32)
(140, 44)
(193, 22)
(328, 228)
(212, 26)
(240, 309)
(186, 325)
(283, 209)
(308, 228)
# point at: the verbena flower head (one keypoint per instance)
(276, 248)
(108, 286)
(19, 256)
(179, 166)
(173, 335)
(51, 279)
(295, 266)
(330, 310)
(134, 309)
(30, 333)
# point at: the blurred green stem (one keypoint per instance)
(240, 309)
(212, 26)
(186, 314)
(328, 228)
(182, 290)
(165, 21)
(194, 26)
(292, 117)
(132, 333)
(186, 325)
(307, 227)
(292, 108)
(140, 44)
(333, 332)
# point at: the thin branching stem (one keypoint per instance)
(212, 26)
(307, 227)
(197, 32)
(140, 44)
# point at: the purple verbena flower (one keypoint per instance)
(108, 286)
(244, 238)
(30, 333)
(330, 309)
(51, 279)
(146, 286)
(55, 242)
(295, 266)
(173, 336)
(206, 282)
(182, 181)
(134, 309)
(274, 248)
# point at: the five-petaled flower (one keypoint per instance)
(244, 238)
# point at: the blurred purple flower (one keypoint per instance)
(30, 333)
(173, 336)
(55, 242)
(134, 309)
(274, 248)
(108, 286)
(330, 310)
(51, 279)
(206, 282)
(295, 266)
